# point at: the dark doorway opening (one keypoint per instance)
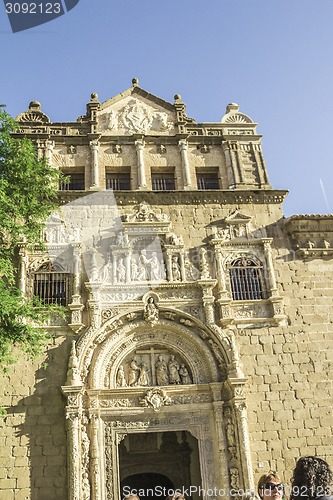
(147, 485)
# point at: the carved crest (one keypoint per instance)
(155, 398)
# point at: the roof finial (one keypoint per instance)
(135, 82)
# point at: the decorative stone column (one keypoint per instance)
(95, 471)
(262, 173)
(76, 307)
(216, 389)
(183, 146)
(139, 145)
(23, 255)
(239, 404)
(94, 146)
(270, 267)
(208, 298)
(73, 417)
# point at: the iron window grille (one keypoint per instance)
(246, 278)
(117, 181)
(162, 181)
(74, 182)
(207, 180)
(51, 284)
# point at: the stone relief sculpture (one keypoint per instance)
(151, 312)
(121, 271)
(121, 381)
(144, 377)
(106, 271)
(137, 117)
(175, 268)
(204, 266)
(152, 366)
(184, 375)
(161, 371)
(133, 373)
(173, 365)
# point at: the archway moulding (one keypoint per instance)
(180, 331)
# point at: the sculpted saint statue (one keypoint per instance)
(173, 366)
(161, 371)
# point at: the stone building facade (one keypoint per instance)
(198, 345)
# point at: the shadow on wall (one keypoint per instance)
(41, 436)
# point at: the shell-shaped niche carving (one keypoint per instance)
(152, 366)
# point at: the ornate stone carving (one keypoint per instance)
(151, 312)
(204, 266)
(137, 118)
(73, 373)
(155, 398)
(144, 213)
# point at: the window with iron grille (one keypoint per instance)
(163, 181)
(73, 182)
(208, 180)
(51, 284)
(118, 181)
(246, 278)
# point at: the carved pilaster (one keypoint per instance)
(208, 298)
(139, 145)
(270, 267)
(183, 146)
(230, 171)
(74, 416)
(23, 255)
(239, 404)
(262, 173)
(94, 164)
(95, 471)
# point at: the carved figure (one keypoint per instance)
(175, 267)
(326, 244)
(121, 272)
(184, 375)
(134, 270)
(161, 371)
(106, 271)
(121, 381)
(151, 312)
(173, 366)
(155, 272)
(133, 373)
(204, 267)
(230, 428)
(144, 378)
(234, 478)
(310, 244)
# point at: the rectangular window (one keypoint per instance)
(208, 180)
(73, 182)
(52, 287)
(163, 181)
(118, 181)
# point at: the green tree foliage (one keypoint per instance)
(28, 194)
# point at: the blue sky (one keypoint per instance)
(274, 58)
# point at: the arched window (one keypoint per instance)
(246, 278)
(51, 284)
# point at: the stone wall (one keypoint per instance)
(289, 369)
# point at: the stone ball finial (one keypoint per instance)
(178, 97)
(135, 82)
(93, 96)
(35, 105)
(232, 107)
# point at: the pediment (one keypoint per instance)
(238, 218)
(135, 111)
